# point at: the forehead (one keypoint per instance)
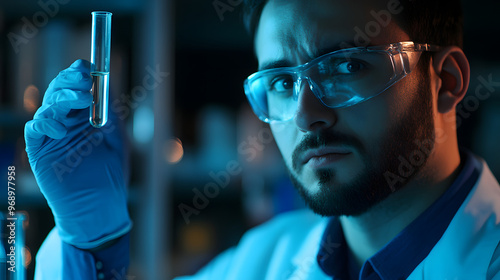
(299, 30)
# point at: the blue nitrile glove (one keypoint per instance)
(80, 170)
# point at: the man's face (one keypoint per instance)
(339, 159)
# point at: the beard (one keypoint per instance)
(410, 140)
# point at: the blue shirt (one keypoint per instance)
(398, 258)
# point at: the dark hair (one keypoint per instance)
(425, 21)
(251, 14)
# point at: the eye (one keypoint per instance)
(349, 67)
(282, 83)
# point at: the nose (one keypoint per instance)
(311, 114)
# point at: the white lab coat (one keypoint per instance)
(286, 247)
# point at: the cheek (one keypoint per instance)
(371, 121)
(376, 117)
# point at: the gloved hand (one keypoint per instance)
(80, 170)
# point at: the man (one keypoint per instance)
(361, 97)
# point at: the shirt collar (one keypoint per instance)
(403, 253)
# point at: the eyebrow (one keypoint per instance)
(340, 46)
(286, 63)
(275, 64)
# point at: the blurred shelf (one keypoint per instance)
(18, 9)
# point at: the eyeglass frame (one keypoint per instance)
(393, 49)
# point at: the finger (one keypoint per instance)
(71, 99)
(63, 101)
(36, 130)
(76, 77)
(80, 63)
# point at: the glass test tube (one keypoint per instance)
(99, 69)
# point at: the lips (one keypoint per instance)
(324, 155)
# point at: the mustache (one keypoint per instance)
(323, 138)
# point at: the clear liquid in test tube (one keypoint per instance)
(99, 69)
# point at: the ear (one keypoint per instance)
(453, 71)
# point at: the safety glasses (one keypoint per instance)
(338, 79)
